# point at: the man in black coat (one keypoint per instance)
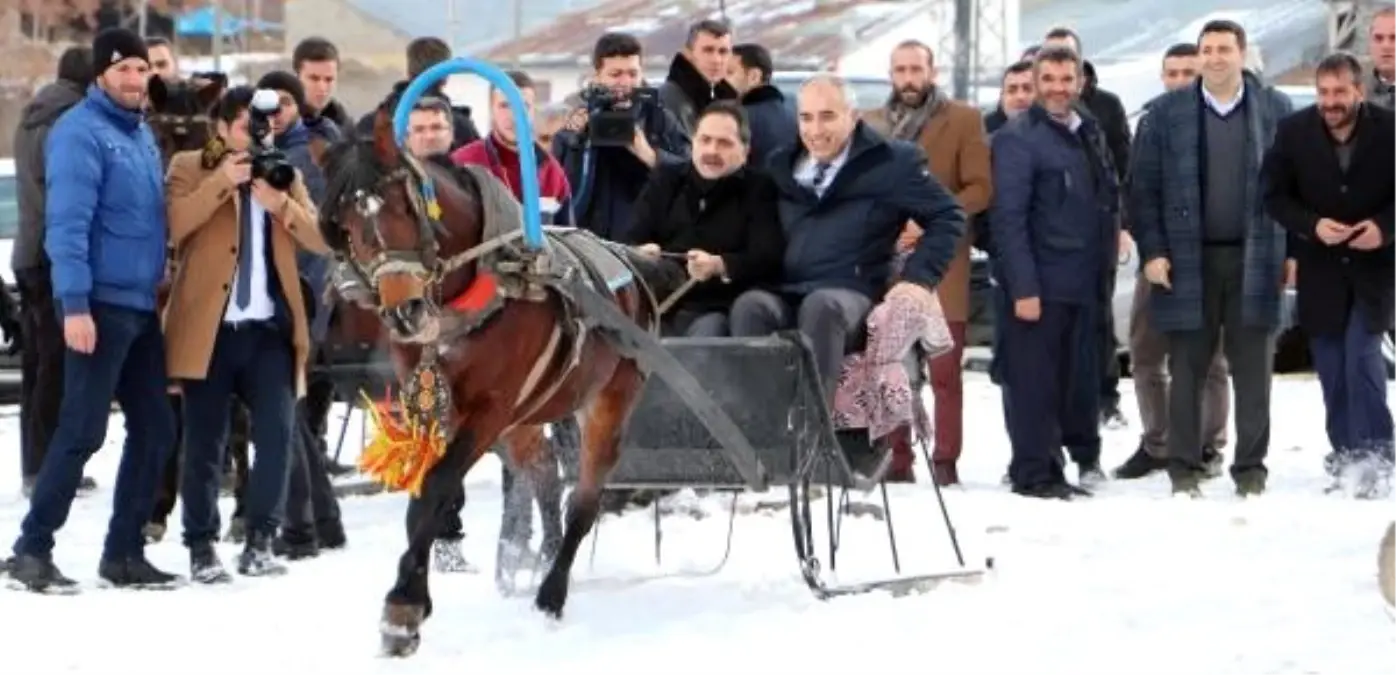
(422, 54)
(1328, 181)
(716, 213)
(845, 194)
(1113, 122)
(772, 120)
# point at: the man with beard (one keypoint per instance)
(1054, 220)
(696, 73)
(1196, 212)
(1381, 47)
(1148, 347)
(41, 361)
(953, 138)
(771, 120)
(163, 61)
(1341, 218)
(422, 54)
(105, 234)
(1110, 114)
(845, 193)
(1016, 95)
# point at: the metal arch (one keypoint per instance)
(532, 220)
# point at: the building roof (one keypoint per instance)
(422, 18)
(805, 34)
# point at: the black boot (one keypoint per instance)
(1139, 465)
(205, 567)
(331, 535)
(39, 575)
(137, 573)
(295, 548)
(257, 559)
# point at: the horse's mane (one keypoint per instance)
(351, 165)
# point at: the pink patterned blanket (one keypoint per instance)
(875, 391)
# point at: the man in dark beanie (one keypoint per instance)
(105, 236)
(312, 510)
(41, 386)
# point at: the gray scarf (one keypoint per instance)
(905, 122)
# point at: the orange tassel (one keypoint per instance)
(402, 449)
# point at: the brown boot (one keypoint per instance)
(945, 474)
(902, 458)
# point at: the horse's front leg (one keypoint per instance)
(602, 428)
(409, 601)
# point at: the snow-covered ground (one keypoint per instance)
(1130, 582)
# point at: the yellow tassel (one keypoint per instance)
(402, 450)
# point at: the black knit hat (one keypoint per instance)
(281, 80)
(114, 45)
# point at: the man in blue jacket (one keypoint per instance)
(845, 193)
(105, 235)
(772, 120)
(1053, 218)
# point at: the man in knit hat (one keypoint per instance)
(41, 388)
(105, 236)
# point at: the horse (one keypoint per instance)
(179, 119)
(493, 346)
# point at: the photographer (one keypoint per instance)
(609, 145)
(237, 325)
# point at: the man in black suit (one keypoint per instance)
(1328, 181)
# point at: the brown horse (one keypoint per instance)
(520, 356)
(179, 119)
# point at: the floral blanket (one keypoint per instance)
(875, 391)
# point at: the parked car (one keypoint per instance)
(9, 228)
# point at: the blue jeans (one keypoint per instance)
(1352, 373)
(255, 363)
(128, 365)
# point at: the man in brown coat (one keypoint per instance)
(952, 134)
(236, 324)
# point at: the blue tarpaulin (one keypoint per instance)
(201, 22)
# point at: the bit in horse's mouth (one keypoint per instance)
(427, 332)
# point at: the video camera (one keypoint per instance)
(268, 163)
(611, 118)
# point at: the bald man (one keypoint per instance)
(845, 193)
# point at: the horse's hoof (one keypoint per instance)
(552, 595)
(401, 629)
(154, 532)
(400, 646)
(1386, 566)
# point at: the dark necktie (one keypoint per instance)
(821, 173)
(244, 289)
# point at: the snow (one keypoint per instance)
(1129, 582)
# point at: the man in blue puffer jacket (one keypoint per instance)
(105, 235)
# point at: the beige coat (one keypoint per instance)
(203, 220)
(958, 151)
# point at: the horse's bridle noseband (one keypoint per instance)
(423, 262)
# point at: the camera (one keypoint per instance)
(268, 163)
(611, 118)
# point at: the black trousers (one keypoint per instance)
(41, 367)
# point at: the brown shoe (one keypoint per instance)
(945, 474)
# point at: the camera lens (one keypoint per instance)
(281, 175)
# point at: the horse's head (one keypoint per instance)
(393, 219)
(179, 111)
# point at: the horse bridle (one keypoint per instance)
(179, 126)
(422, 262)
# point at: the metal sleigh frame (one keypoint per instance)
(804, 452)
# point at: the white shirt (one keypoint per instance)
(808, 167)
(1224, 109)
(260, 306)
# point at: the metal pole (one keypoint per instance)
(451, 24)
(518, 31)
(144, 8)
(218, 36)
(964, 46)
